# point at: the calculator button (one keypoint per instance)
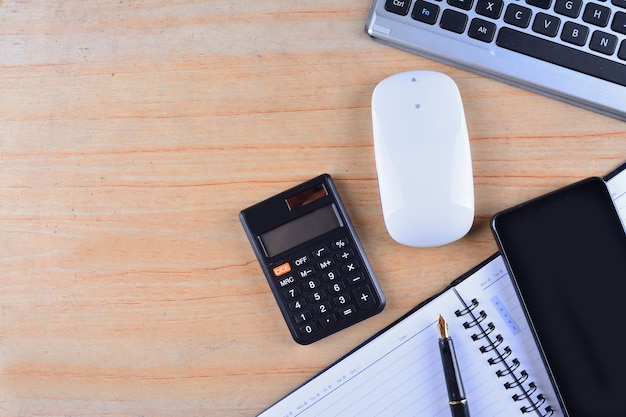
(311, 284)
(320, 252)
(337, 287)
(323, 308)
(350, 267)
(364, 297)
(282, 269)
(304, 273)
(284, 282)
(356, 279)
(341, 300)
(308, 329)
(301, 260)
(328, 320)
(317, 296)
(325, 264)
(292, 292)
(297, 305)
(347, 312)
(344, 255)
(330, 276)
(302, 317)
(339, 243)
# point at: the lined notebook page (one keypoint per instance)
(399, 372)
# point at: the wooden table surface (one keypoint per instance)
(131, 135)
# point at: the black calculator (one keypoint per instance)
(313, 260)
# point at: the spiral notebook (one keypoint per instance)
(398, 372)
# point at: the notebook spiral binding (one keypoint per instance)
(500, 356)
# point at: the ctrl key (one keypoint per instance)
(400, 7)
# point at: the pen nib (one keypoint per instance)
(443, 328)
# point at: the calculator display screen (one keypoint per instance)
(300, 230)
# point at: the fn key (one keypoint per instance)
(425, 12)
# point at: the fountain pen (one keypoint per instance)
(456, 393)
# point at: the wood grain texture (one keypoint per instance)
(131, 135)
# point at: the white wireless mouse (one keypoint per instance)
(423, 158)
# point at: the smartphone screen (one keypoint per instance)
(566, 253)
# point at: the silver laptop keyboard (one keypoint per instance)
(574, 50)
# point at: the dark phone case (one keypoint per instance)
(566, 253)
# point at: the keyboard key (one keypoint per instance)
(619, 22)
(562, 55)
(604, 43)
(482, 30)
(425, 12)
(400, 7)
(453, 21)
(596, 14)
(569, 8)
(490, 8)
(461, 4)
(619, 3)
(621, 54)
(543, 4)
(546, 24)
(574, 33)
(517, 15)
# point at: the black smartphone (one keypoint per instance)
(566, 254)
(313, 260)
